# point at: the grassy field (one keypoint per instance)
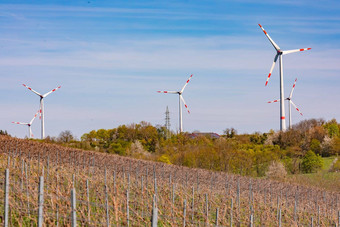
(323, 179)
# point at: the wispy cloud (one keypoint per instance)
(188, 53)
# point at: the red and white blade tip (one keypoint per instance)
(187, 108)
(274, 101)
(299, 111)
(19, 123)
(296, 107)
(294, 83)
(263, 29)
(56, 88)
(186, 83)
(268, 79)
(271, 69)
(189, 78)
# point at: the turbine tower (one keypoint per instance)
(30, 134)
(290, 102)
(180, 104)
(42, 107)
(279, 54)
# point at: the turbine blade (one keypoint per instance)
(291, 93)
(34, 117)
(37, 93)
(271, 69)
(270, 39)
(274, 101)
(170, 92)
(293, 51)
(186, 83)
(186, 106)
(20, 123)
(51, 91)
(296, 107)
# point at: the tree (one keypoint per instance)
(230, 132)
(65, 136)
(315, 146)
(5, 133)
(311, 162)
(332, 128)
(335, 146)
(258, 138)
(306, 125)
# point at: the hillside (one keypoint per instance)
(119, 190)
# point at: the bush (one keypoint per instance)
(311, 162)
(165, 159)
(276, 170)
(315, 146)
(292, 165)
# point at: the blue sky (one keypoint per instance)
(110, 57)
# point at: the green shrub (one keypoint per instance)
(292, 164)
(165, 159)
(311, 162)
(315, 146)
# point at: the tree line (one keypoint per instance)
(299, 149)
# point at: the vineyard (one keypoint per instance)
(50, 185)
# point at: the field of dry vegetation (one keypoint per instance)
(119, 191)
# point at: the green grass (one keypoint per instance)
(322, 179)
(327, 163)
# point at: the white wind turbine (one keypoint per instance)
(290, 102)
(180, 105)
(279, 55)
(42, 107)
(30, 134)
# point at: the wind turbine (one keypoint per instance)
(30, 134)
(279, 54)
(180, 104)
(42, 106)
(289, 99)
